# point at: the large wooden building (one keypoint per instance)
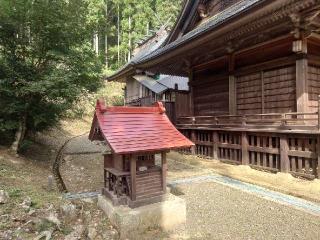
(254, 70)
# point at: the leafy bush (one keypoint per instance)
(46, 62)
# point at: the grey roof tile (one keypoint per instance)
(213, 22)
(170, 81)
(150, 83)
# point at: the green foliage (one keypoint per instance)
(111, 92)
(15, 192)
(46, 61)
(138, 19)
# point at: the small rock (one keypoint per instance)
(112, 234)
(31, 212)
(50, 207)
(27, 202)
(46, 234)
(68, 210)
(76, 234)
(54, 219)
(50, 183)
(4, 197)
(92, 233)
(6, 235)
(87, 200)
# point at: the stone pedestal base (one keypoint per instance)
(165, 215)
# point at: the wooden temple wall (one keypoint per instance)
(269, 91)
(298, 154)
(284, 82)
(313, 87)
(182, 104)
(265, 91)
(211, 95)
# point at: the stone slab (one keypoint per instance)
(166, 215)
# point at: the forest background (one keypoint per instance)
(54, 55)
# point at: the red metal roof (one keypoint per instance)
(137, 129)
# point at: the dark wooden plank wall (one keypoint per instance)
(170, 111)
(270, 91)
(249, 94)
(182, 104)
(313, 87)
(279, 90)
(211, 95)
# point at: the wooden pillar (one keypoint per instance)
(318, 156)
(300, 47)
(232, 87)
(244, 148)
(284, 157)
(318, 112)
(133, 173)
(193, 139)
(262, 92)
(191, 98)
(215, 140)
(164, 168)
(232, 96)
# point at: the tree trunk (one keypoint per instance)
(106, 50)
(20, 134)
(129, 43)
(118, 30)
(106, 35)
(96, 43)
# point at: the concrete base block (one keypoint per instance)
(166, 215)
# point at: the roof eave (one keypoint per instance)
(120, 75)
(145, 63)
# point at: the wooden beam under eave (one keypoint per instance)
(300, 47)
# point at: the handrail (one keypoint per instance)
(281, 119)
(252, 115)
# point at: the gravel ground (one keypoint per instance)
(218, 212)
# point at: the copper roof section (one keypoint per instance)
(136, 129)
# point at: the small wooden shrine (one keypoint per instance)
(135, 135)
